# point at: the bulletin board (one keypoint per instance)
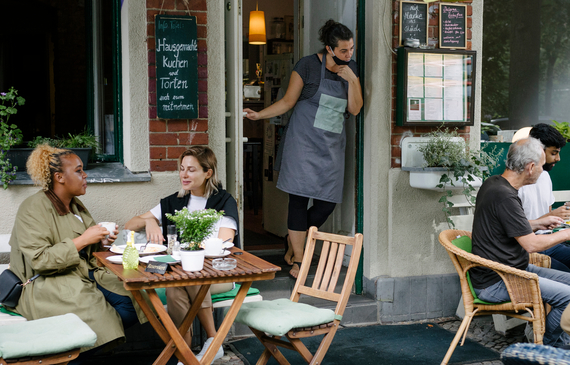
(435, 87)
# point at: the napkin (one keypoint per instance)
(164, 258)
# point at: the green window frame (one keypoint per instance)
(92, 55)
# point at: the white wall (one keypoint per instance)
(135, 85)
(216, 84)
(401, 224)
(117, 202)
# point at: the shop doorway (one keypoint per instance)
(291, 32)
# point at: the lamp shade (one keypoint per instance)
(257, 27)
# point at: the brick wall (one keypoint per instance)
(169, 137)
(433, 32)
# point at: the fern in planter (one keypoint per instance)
(463, 165)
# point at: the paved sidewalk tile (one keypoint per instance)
(481, 330)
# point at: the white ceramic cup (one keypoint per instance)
(213, 246)
(109, 226)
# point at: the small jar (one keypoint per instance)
(278, 28)
(176, 250)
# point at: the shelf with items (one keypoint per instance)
(279, 46)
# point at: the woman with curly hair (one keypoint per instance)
(55, 236)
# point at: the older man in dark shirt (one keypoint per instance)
(502, 233)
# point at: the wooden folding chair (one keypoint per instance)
(323, 287)
(522, 287)
(61, 359)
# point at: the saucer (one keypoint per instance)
(224, 254)
(117, 259)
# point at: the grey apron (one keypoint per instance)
(313, 153)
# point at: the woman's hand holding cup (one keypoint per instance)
(112, 228)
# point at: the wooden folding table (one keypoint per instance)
(249, 268)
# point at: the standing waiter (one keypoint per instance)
(324, 90)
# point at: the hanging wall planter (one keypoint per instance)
(429, 178)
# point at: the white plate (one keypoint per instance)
(146, 259)
(228, 245)
(224, 254)
(151, 249)
(115, 259)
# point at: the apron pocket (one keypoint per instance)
(330, 115)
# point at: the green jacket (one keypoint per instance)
(41, 243)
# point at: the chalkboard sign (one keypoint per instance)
(452, 26)
(413, 21)
(176, 66)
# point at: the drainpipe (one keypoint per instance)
(360, 144)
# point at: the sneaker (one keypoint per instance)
(219, 354)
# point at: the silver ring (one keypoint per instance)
(567, 207)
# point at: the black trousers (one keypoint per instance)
(299, 218)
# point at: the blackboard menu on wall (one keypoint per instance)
(176, 66)
(413, 21)
(452, 26)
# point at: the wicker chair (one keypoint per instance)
(522, 287)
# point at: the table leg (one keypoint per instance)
(226, 324)
(170, 348)
(166, 330)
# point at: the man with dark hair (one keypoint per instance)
(537, 199)
(502, 233)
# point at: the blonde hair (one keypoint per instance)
(207, 159)
(45, 161)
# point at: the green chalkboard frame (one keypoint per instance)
(176, 47)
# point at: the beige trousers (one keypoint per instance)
(180, 299)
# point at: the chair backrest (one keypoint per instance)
(329, 268)
(461, 264)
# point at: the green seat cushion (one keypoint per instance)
(161, 294)
(215, 297)
(464, 243)
(6, 311)
(277, 317)
(45, 336)
(232, 294)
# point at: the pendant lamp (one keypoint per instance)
(257, 27)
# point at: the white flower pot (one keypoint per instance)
(192, 260)
(428, 178)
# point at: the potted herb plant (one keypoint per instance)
(459, 168)
(10, 134)
(193, 228)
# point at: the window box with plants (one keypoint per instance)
(444, 162)
(83, 144)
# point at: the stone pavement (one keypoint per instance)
(481, 330)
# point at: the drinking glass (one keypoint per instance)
(171, 236)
